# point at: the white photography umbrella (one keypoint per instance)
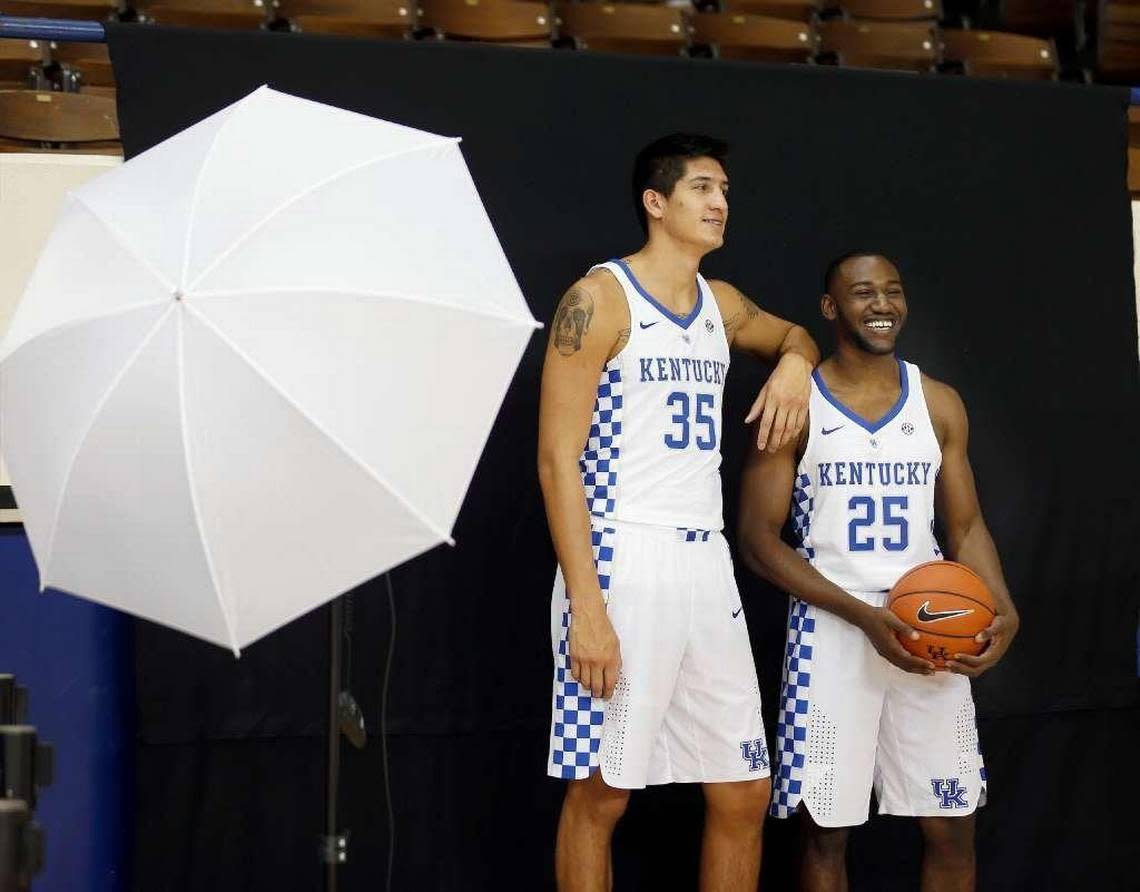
(256, 366)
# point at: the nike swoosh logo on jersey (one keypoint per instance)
(825, 431)
(648, 324)
(736, 612)
(926, 615)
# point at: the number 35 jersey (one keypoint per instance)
(863, 500)
(652, 455)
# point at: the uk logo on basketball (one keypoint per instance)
(755, 753)
(949, 794)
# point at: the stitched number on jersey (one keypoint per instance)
(706, 441)
(705, 423)
(896, 519)
(864, 510)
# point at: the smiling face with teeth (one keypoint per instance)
(865, 300)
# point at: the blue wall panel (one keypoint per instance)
(75, 658)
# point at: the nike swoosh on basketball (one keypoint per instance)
(825, 431)
(736, 612)
(926, 615)
(648, 324)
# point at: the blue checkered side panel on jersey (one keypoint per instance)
(688, 534)
(792, 719)
(803, 501)
(576, 737)
(599, 461)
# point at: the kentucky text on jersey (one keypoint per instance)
(871, 473)
(667, 368)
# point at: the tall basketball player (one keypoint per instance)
(884, 448)
(654, 679)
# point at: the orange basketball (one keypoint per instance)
(947, 604)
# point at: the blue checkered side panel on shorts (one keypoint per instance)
(982, 775)
(792, 719)
(599, 461)
(577, 716)
(803, 501)
(688, 534)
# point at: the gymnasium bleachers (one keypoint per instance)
(1076, 40)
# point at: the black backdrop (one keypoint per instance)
(1007, 208)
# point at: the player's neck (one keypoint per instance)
(668, 271)
(851, 364)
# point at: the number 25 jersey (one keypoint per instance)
(863, 500)
(652, 455)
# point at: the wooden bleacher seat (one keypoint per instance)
(362, 18)
(1043, 18)
(1134, 126)
(239, 14)
(795, 10)
(18, 58)
(1134, 151)
(515, 22)
(91, 60)
(898, 46)
(87, 10)
(1118, 41)
(893, 10)
(624, 27)
(32, 120)
(997, 54)
(738, 36)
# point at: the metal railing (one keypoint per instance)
(63, 30)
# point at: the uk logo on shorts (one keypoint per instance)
(949, 794)
(755, 753)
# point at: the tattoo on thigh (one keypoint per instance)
(572, 321)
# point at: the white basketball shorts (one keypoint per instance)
(850, 721)
(686, 706)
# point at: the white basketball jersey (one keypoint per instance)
(863, 502)
(653, 451)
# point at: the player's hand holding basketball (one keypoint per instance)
(595, 653)
(782, 405)
(997, 638)
(884, 629)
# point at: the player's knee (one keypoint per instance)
(596, 801)
(949, 838)
(827, 844)
(741, 804)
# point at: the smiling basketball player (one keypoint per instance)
(884, 446)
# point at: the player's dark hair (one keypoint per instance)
(662, 163)
(833, 267)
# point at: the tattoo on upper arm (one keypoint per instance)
(572, 321)
(745, 313)
(622, 340)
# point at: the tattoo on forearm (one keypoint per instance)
(572, 321)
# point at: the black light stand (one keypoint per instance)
(26, 766)
(344, 717)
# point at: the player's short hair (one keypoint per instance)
(833, 267)
(662, 163)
